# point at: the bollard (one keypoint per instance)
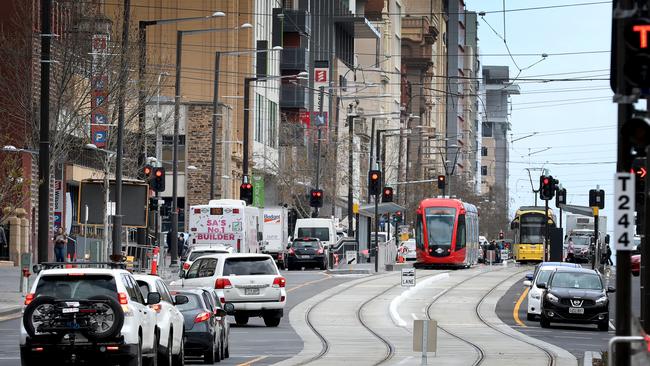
(154, 261)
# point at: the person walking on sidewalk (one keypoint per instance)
(60, 240)
(570, 249)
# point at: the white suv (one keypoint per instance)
(199, 250)
(95, 314)
(250, 283)
(169, 320)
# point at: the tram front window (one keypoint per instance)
(532, 229)
(440, 225)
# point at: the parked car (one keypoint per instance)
(636, 264)
(575, 295)
(409, 249)
(202, 325)
(169, 320)
(306, 252)
(542, 273)
(87, 314)
(224, 325)
(196, 251)
(251, 283)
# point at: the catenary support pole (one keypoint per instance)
(44, 143)
(215, 107)
(350, 170)
(173, 246)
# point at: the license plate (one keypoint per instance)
(70, 310)
(305, 256)
(251, 291)
(576, 311)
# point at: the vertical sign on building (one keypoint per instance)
(258, 191)
(99, 92)
(58, 203)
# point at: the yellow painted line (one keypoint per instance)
(252, 361)
(515, 311)
(328, 276)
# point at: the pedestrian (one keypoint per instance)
(181, 244)
(60, 240)
(608, 255)
(570, 249)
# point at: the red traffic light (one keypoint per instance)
(641, 172)
(441, 178)
(387, 191)
(374, 176)
(642, 30)
(546, 181)
(247, 185)
(147, 170)
(159, 173)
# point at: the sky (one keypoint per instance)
(575, 119)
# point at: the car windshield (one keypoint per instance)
(544, 275)
(305, 244)
(576, 280)
(321, 233)
(249, 266)
(76, 287)
(580, 240)
(193, 303)
(440, 225)
(199, 253)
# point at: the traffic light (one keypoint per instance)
(316, 198)
(635, 49)
(639, 171)
(501, 236)
(634, 138)
(397, 217)
(441, 181)
(387, 195)
(374, 182)
(597, 198)
(147, 171)
(157, 180)
(546, 187)
(560, 197)
(246, 193)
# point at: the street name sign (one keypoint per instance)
(624, 211)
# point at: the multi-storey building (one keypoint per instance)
(495, 125)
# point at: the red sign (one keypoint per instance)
(320, 75)
(643, 34)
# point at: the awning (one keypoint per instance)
(383, 208)
(358, 27)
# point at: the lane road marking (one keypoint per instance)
(515, 311)
(249, 363)
(327, 277)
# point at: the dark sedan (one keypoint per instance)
(575, 295)
(202, 325)
(306, 252)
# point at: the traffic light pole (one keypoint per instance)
(350, 170)
(376, 233)
(596, 262)
(546, 243)
(320, 113)
(645, 258)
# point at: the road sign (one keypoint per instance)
(408, 277)
(320, 75)
(624, 211)
(350, 256)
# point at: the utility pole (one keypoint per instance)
(319, 125)
(215, 107)
(351, 115)
(173, 246)
(117, 218)
(44, 143)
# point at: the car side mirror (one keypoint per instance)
(529, 276)
(220, 312)
(611, 289)
(528, 283)
(153, 298)
(181, 299)
(542, 285)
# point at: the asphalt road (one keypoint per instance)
(576, 339)
(250, 344)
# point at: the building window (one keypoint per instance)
(168, 152)
(273, 124)
(484, 170)
(484, 151)
(259, 111)
(486, 128)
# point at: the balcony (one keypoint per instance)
(297, 21)
(419, 30)
(293, 96)
(294, 59)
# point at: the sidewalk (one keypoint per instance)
(389, 310)
(11, 299)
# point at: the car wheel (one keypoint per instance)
(603, 326)
(136, 360)
(208, 356)
(530, 317)
(241, 319)
(166, 357)
(179, 359)
(271, 321)
(543, 322)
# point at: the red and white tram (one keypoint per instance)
(446, 233)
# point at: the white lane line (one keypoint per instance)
(394, 305)
(611, 325)
(413, 316)
(406, 359)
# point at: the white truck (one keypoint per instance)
(580, 230)
(276, 233)
(323, 229)
(226, 222)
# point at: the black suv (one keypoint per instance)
(306, 252)
(575, 295)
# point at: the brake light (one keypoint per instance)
(223, 300)
(222, 283)
(156, 307)
(76, 274)
(112, 348)
(37, 349)
(186, 266)
(122, 298)
(279, 282)
(29, 298)
(201, 317)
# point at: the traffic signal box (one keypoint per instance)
(155, 177)
(374, 182)
(246, 193)
(597, 198)
(546, 187)
(560, 197)
(316, 198)
(387, 195)
(397, 217)
(441, 181)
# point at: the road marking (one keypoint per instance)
(515, 311)
(611, 325)
(328, 276)
(253, 360)
(397, 301)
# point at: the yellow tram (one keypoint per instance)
(529, 227)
